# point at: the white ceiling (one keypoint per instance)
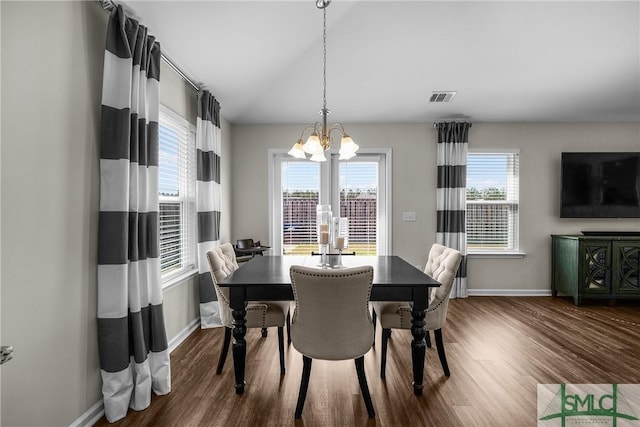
(509, 61)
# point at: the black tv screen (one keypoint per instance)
(600, 185)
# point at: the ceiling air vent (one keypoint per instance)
(442, 96)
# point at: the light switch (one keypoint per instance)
(408, 216)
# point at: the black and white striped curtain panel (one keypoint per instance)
(453, 141)
(134, 357)
(208, 201)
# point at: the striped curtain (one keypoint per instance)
(453, 141)
(208, 201)
(134, 357)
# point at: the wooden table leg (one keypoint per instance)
(418, 347)
(239, 314)
(239, 348)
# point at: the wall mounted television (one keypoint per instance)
(600, 185)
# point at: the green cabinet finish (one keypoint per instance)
(605, 267)
(626, 279)
(595, 264)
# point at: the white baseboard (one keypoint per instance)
(188, 330)
(509, 292)
(93, 414)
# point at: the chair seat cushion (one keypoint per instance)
(393, 315)
(266, 314)
(397, 315)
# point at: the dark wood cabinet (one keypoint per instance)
(604, 267)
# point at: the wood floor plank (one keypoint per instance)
(498, 348)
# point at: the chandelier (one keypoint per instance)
(320, 139)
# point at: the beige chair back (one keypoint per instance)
(222, 262)
(442, 265)
(331, 319)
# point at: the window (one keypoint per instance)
(300, 181)
(176, 187)
(492, 201)
(356, 192)
(355, 189)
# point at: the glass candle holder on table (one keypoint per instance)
(341, 240)
(323, 224)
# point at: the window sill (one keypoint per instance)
(496, 254)
(175, 280)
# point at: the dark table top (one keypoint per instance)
(388, 271)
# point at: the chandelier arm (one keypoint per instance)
(313, 126)
(339, 127)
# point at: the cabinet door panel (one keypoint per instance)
(627, 269)
(596, 267)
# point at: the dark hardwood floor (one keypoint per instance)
(498, 348)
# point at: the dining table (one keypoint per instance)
(267, 278)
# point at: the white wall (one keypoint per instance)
(51, 91)
(541, 145)
(414, 184)
(410, 151)
(52, 58)
(1, 342)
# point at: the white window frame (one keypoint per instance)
(187, 200)
(513, 198)
(383, 219)
(329, 175)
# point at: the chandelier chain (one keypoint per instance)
(324, 60)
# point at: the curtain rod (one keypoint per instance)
(109, 5)
(435, 125)
(178, 71)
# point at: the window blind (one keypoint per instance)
(300, 182)
(492, 201)
(176, 184)
(358, 186)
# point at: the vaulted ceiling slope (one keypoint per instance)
(509, 61)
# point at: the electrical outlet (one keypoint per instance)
(408, 216)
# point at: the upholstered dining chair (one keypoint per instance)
(331, 321)
(250, 247)
(244, 244)
(222, 262)
(442, 265)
